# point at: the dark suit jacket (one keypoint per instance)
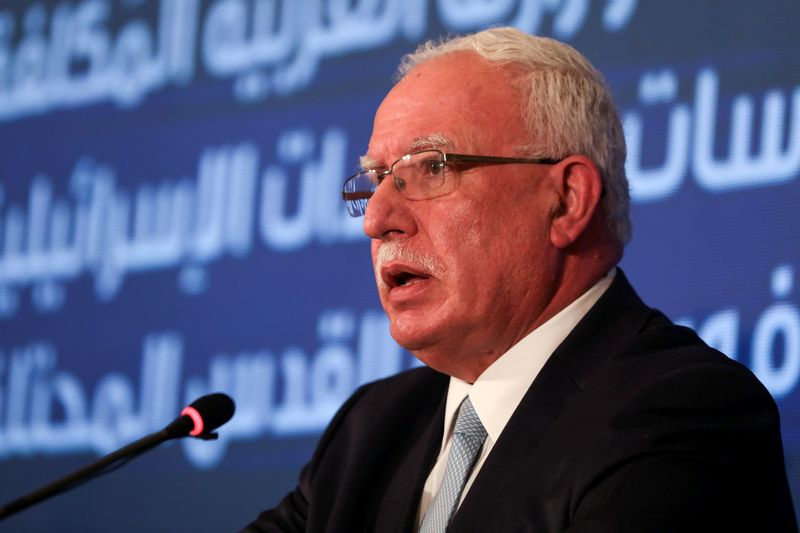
(632, 425)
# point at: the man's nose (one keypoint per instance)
(388, 214)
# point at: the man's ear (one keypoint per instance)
(580, 188)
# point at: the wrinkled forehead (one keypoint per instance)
(460, 98)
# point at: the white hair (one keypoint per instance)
(567, 105)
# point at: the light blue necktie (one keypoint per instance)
(468, 437)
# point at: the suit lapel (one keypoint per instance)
(603, 332)
(399, 506)
(505, 471)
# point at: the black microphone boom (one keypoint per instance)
(199, 419)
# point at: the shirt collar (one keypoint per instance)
(497, 392)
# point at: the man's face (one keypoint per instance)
(463, 276)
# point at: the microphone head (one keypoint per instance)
(209, 412)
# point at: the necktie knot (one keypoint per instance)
(468, 422)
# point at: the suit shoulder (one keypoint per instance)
(416, 388)
(670, 411)
(668, 364)
(413, 378)
(670, 345)
(382, 408)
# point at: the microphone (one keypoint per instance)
(199, 420)
(201, 417)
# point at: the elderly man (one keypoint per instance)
(553, 400)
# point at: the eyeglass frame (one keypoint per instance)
(446, 158)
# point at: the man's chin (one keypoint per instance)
(413, 337)
(424, 343)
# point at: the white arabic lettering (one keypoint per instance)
(777, 162)
(774, 164)
(47, 410)
(109, 232)
(775, 343)
(267, 46)
(80, 62)
(657, 182)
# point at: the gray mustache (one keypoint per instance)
(395, 251)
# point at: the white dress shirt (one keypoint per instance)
(497, 392)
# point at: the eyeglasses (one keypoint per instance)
(418, 176)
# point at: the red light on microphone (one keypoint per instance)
(192, 413)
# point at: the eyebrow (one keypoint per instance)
(432, 141)
(365, 162)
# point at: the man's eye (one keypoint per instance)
(378, 176)
(434, 167)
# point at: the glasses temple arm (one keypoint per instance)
(357, 195)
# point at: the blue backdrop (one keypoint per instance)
(170, 222)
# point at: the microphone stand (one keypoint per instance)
(78, 477)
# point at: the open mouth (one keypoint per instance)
(405, 278)
(401, 276)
